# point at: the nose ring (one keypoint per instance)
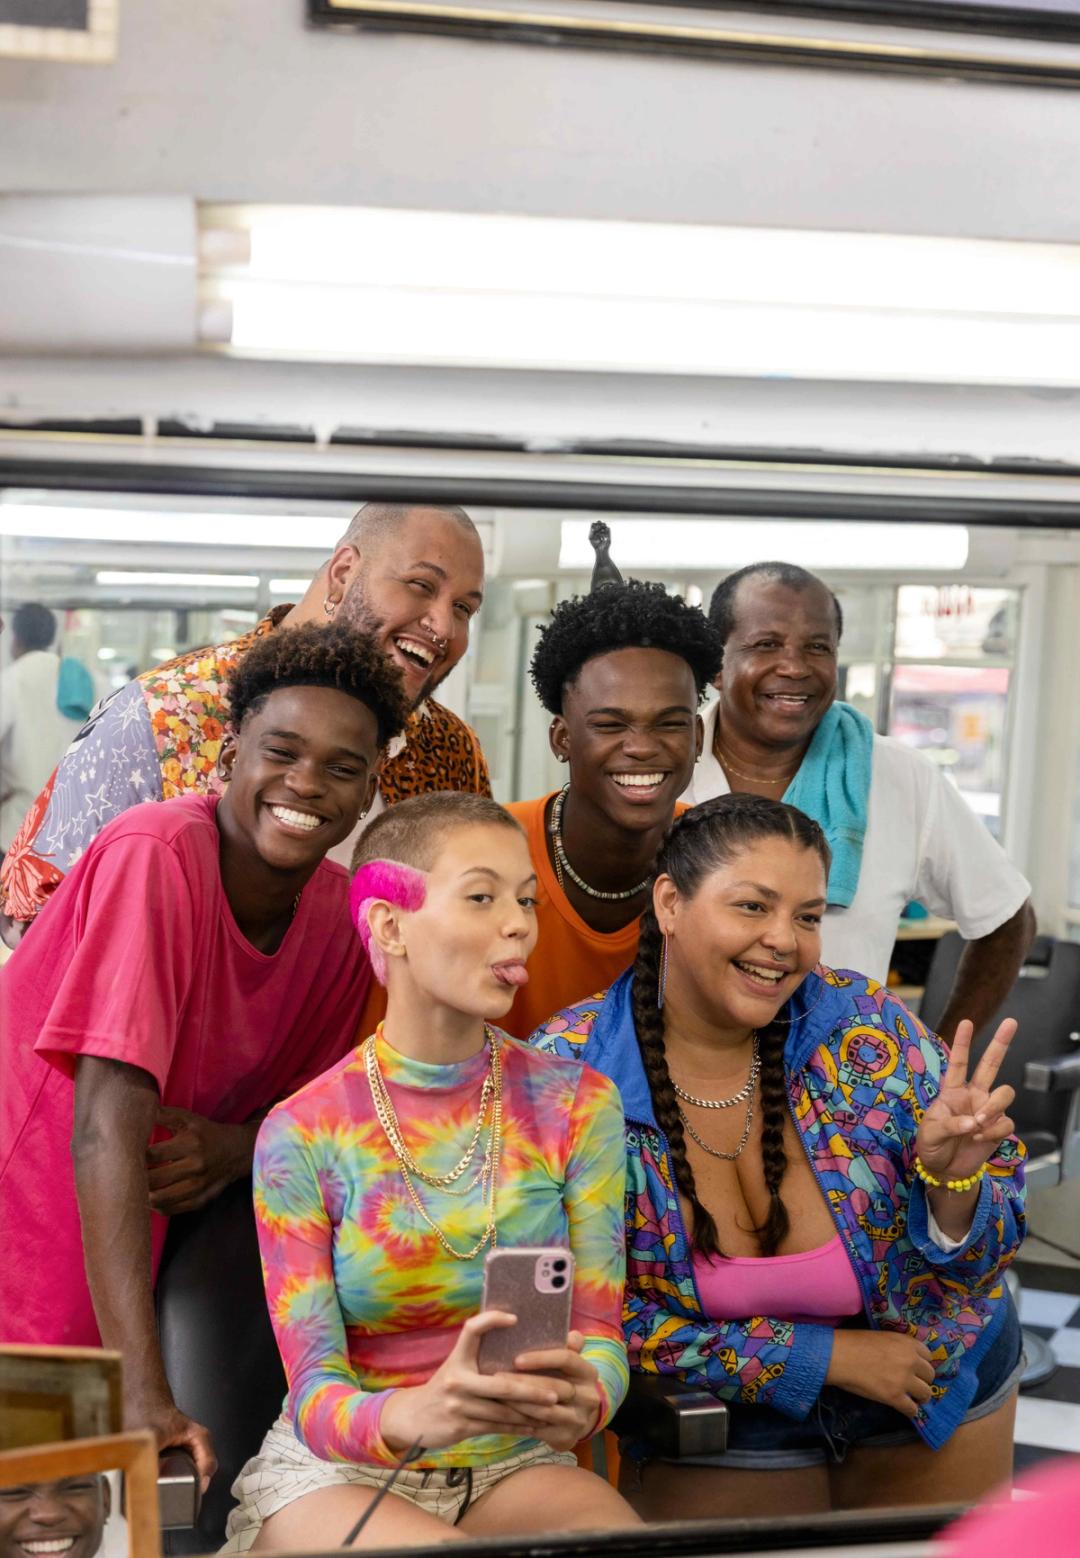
(778, 957)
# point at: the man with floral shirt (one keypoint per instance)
(411, 575)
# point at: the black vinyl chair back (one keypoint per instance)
(1045, 1000)
(220, 1355)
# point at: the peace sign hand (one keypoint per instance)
(966, 1122)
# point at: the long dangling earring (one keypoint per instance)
(661, 983)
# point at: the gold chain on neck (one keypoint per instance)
(488, 1173)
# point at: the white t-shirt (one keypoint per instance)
(34, 735)
(922, 841)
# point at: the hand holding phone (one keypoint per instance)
(536, 1284)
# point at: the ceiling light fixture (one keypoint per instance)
(437, 287)
(193, 581)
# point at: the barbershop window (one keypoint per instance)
(932, 665)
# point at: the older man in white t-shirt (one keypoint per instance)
(781, 628)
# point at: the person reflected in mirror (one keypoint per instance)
(196, 965)
(899, 830)
(35, 723)
(61, 1519)
(379, 1188)
(410, 575)
(822, 1199)
(622, 672)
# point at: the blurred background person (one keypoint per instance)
(898, 830)
(37, 721)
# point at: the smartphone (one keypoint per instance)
(536, 1283)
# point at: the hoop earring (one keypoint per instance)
(661, 983)
(329, 606)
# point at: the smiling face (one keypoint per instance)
(61, 1519)
(631, 732)
(748, 937)
(465, 948)
(418, 593)
(779, 673)
(301, 771)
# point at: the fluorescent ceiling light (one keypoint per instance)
(197, 581)
(722, 545)
(312, 532)
(431, 287)
(291, 587)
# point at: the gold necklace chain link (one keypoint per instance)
(746, 1091)
(491, 1094)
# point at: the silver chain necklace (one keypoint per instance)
(745, 1092)
(562, 863)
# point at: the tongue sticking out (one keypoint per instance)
(511, 973)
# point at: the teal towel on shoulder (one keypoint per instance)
(74, 690)
(833, 786)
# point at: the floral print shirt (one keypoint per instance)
(861, 1072)
(159, 736)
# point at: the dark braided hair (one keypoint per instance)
(702, 839)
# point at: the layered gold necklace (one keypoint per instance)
(486, 1175)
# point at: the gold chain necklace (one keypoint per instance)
(490, 1095)
(730, 768)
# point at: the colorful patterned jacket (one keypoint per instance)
(159, 736)
(861, 1072)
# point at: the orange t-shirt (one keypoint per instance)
(572, 961)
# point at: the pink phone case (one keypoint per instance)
(536, 1283)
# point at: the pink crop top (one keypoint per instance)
(819, 1285)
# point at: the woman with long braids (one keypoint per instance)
(822, 1200)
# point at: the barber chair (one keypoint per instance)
(218, 1346)
(672, 1419)
(1043, 1065)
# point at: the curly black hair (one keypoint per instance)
(313, 656)
(632, 615)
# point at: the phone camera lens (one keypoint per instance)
(558, 1265)
(558, 1282)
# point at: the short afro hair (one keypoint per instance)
(312, 656)
(790, 575)
(631, 615)
(412, 832)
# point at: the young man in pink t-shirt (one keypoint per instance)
(195, 966)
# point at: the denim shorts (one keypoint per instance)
(763, 1439)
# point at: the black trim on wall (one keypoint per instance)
(518, 492)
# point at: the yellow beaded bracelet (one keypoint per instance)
(957, 1185)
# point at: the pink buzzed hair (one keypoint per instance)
(385, 881)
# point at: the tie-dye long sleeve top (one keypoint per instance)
(362, 1296)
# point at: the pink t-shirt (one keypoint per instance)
(138, 958)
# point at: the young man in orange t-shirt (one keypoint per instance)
(622, 671)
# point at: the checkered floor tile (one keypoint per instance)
(1048, 1417)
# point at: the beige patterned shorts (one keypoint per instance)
(285, 1470)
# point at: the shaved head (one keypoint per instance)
(376, 523)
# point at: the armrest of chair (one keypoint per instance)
(1061, 1074)
(179, 1493)
(673, 1419)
